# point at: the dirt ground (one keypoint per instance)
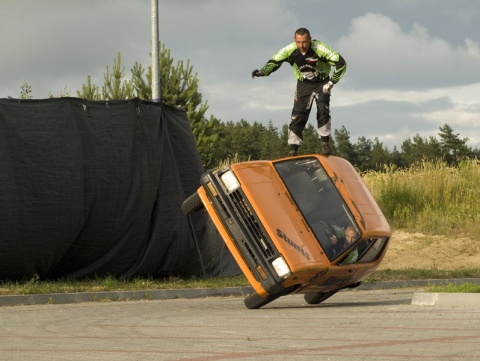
(416, 250)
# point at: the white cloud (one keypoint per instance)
(395, 115)
(473, 49)
(384, 55)
(407, 73)
(467, 95)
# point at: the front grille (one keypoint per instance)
(247, 216)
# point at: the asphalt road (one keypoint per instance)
(352, 325)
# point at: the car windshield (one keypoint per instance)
(320, 203)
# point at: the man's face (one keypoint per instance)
(303, 42)
(350, 236)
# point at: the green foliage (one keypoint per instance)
(450, 148)
(344, 148)
(453, 148)
(26, 91)
(421, 274)
(110, 283)
(271, 143)
(89, 91)
(363, 150)
(246, 141)
(418, 149)
(115, 87)
(64, 93)
(179, 88)
(454, 288)
(380, 156)
(431, 197)
(207, 136)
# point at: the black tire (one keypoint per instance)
(254, 301)
(316, 298)
(192, 204)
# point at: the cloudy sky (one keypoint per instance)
(413, 65)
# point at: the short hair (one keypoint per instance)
(302, 31)
(353, 229)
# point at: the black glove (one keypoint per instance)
(257, 72)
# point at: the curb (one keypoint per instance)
(65, 298)
(189, 293)
(458, 300)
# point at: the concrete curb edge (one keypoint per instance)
(80, 297)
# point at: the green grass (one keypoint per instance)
(36, 286)
(430, 197)
(112, 284)
(421, 274)
(452, 288)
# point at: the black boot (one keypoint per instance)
(293, 150)
(326, 148)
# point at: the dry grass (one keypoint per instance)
(430, 197)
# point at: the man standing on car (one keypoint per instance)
(311, 61)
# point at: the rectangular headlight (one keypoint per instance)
(230, 181)
(281, 267)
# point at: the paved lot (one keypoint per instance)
(352, 325)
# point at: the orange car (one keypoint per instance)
(306, 224)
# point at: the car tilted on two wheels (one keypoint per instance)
(285, 223)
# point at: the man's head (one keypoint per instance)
(302, 39)
(351, 235)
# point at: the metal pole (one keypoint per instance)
(155, 54)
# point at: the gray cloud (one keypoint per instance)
(388, 56)
(391, 121)
(54, 44)
(410, 69)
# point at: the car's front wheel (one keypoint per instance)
(254, 301)
(316, 298)
(192, 204)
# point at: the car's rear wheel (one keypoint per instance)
(316, 298)
(192, 204)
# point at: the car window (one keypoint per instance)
(319, 201)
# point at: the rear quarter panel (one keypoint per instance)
(367, 213)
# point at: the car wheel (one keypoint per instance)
(316, 298)
(254, 301)
(192, 204)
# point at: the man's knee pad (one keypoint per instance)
(323, 115)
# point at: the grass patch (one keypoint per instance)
(105, 284)
(429, 197)
(421, 274)
(453, 288)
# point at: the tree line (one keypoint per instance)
(219, 141)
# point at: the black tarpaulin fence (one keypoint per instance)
(90, 188)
